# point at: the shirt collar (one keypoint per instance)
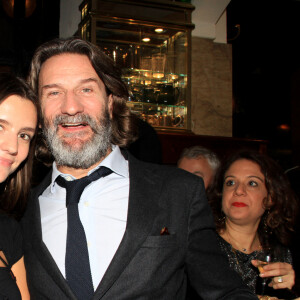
(114, 161)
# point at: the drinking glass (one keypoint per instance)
(264, 258)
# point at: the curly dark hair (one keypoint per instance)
(14, 191)
(276, 225)
(124, 123)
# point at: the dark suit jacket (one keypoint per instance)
(147, 265)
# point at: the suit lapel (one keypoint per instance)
(144, 187)
(39, 248)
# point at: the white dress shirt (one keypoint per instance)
(102, 209)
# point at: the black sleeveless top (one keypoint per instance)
(11, 246)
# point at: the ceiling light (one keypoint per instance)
(159, 30)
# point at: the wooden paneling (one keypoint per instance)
(173, 143)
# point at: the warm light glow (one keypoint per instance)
(8, 6)
(146, 40)
(159, 30)
(30, 6)
(173, 77)
(158, 75)
(84, 11)
(284, 127)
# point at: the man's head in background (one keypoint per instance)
(201, 162)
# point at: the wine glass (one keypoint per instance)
(264, 258)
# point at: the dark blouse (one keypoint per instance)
(11, 246)
(241, 263)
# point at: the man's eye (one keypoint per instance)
(86, 90)
(54, 93)
(253, 183)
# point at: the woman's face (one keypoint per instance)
(243, 192)
(18, 120)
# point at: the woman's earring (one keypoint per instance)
(222, 218)
(266, 227)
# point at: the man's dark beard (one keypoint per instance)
(88, 152)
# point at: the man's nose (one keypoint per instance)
(71, 104)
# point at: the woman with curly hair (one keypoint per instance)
(254, 209)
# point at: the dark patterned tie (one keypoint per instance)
(78, 271)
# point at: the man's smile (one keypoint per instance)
(66, 125)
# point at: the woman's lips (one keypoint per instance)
(239, 204)
(5, 162)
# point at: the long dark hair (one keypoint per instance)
(14, 191)
(124, 123)
(276, 225)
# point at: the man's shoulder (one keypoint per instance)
(164, 172)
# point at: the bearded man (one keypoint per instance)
(141, 231)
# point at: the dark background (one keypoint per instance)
(20, 35)
(266, 64)
(266, 61)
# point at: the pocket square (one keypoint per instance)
(164, 231)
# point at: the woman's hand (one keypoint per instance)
(282, 273)
(266, 298)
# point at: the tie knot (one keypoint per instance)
(74, 188)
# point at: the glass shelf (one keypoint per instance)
(154, 87)
(160, 115)
(150, 42)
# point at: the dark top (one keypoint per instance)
(11, 246)
(241, 263)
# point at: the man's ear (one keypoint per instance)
(110, 105)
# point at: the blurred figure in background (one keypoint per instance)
(147, 146)
(254, 209)
(201, 162)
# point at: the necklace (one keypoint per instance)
(245, 250)
(239, 268)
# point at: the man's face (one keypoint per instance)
(75, 109)
(198, 166)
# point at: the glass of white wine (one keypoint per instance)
(264, 258)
